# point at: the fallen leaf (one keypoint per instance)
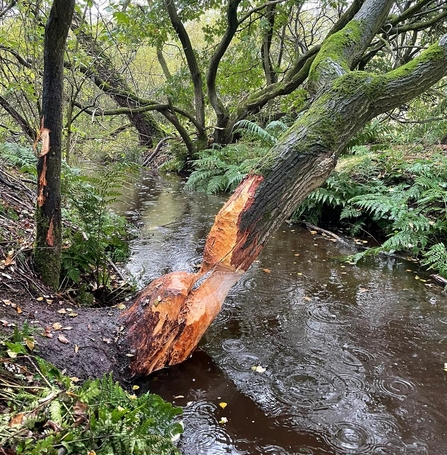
(258, 369)
(49, 301)
(7, 302)
(67, 328)
(130, 355)
(16, 420)
(313, 232)
(30, 343)
(72, 315)
(135, 387)
(74, 379)
(5, 323)
(47, 333)
(266, 270)
(223, 405)
(223, 420)
(57, 326)
(177, 397)
(62, 339)
(62, 311)
(7, 276)
(121, 306)
(76, 348)
(19, 310)
(11, 354)
(307, 298)
(39, 299)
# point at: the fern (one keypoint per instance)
(19, 156)
(256, 131)
(219, 170)
(436, 258)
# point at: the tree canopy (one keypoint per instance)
(192, 69)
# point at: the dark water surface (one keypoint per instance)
(310, 356)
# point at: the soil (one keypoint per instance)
(85, 342)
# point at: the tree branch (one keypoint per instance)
(343, 49)
(193, 66)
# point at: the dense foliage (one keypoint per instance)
(94, 235)
(45, 412)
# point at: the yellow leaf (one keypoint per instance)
(223, 405)
(62, 311)
(223, 420)
(39, 299)
(57, 326)
(76, 348)
(19, 310)
(30, 343)
(7, 302)
(11, 354)
(135, 387)
(121, 306)
(73, 315)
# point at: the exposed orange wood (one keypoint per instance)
(50, 233)
(42, 183)
(225, 238)
(169, 317)
(44, 135)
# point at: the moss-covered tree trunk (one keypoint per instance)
(47, 251)
(168, 318)
(114, 84)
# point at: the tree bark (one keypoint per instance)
(168, 318)
(117, 87)
(47, 251)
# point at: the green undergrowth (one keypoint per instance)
(44, 412)
(94, 236)
(396, 196)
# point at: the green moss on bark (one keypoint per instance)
(47, 260)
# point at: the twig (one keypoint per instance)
(157, 149)
(117, 270)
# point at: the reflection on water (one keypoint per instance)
(350, 358)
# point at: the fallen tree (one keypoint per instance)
(167, 319)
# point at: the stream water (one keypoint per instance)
(309, 355)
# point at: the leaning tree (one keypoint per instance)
(167, 319)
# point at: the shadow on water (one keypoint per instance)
(312, 356)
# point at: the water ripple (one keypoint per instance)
(232, 345)
(396, 387)
(356, 356)
(272, 450)
(308, 387)
(351, 438)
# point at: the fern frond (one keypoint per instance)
(254, 129)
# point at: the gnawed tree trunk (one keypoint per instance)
(168, 318)
(47, 251)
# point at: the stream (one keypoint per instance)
(309, 355)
